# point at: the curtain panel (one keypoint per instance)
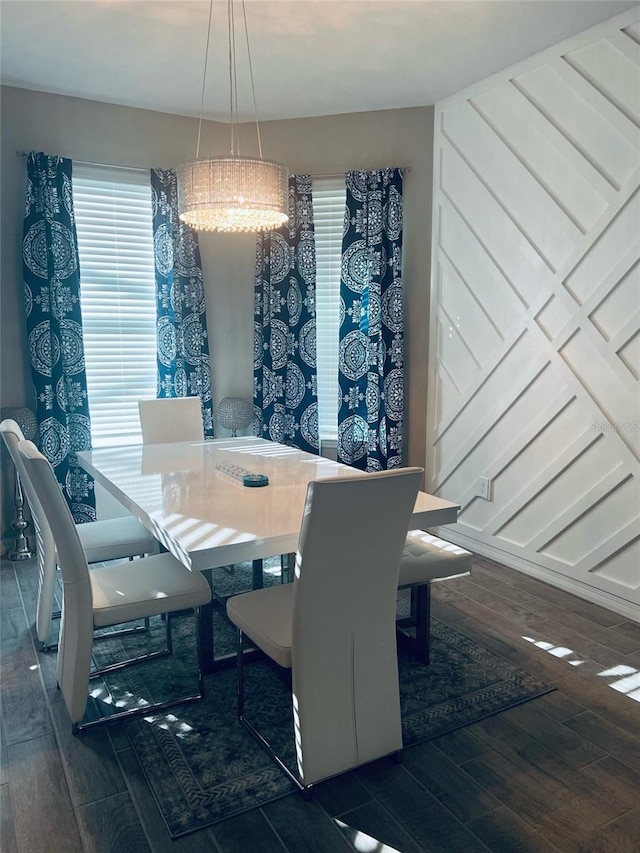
(54, 326)
(183, 347)
(370, 417)
(284, 349)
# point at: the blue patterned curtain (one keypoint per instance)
(284, 346)
(54, 326)
(183, 347)
(370, 418)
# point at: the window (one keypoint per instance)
(117, 289)
(329, 199)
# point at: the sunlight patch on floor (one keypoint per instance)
(170, 723)
(627, 678)
(362, 842)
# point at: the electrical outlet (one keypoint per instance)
(483, 489)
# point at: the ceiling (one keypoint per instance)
(310, 57)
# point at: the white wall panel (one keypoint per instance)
(555, 164)
(535, 344)
(630, 355)
(600, 132)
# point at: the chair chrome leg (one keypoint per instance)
(147, 710)
(114, 667)
(168, 634)
(160, 653)
(125, 632)
(240, 684)
(196, 613)
(109, 635)
(264, 743)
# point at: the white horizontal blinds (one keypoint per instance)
(117, 287)
(329, 199)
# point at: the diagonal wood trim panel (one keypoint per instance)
(534, 368)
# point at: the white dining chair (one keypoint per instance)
(171, 419)
(426, 560)
(108, 539)
(107, 596)
(334, 626)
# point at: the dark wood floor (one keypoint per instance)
(560, 773)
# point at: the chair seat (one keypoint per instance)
(426, 558)
(153, 585)
(265, 616)
(115, 539)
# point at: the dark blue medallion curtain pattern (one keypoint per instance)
(183, 347)
(284, 349)
(370, 418)
(54, 326)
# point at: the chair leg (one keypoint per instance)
(198, 617)
(160, 653)
(264, 743)
(240, 670)
(109, 635)
(150, 709)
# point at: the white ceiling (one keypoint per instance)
(310, 57)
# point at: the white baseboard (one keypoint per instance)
(628, 609)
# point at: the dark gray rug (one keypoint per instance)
(203, 766)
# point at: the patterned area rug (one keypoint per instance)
(203, 766)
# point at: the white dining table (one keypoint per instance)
(206, 517)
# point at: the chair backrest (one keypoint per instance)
(171, 419)
(76, 629)
(46, 550)
(344, 656)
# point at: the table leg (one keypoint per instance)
(422, 605)
(206, 630)
(258, 578)
(208, 661)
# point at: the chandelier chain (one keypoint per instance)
(233, 86)
(204, 79)
(253, 86)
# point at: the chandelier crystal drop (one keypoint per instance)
(233, 192)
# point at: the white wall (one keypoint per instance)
(105, 133)
(535, 343)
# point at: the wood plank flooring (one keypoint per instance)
(559, 773)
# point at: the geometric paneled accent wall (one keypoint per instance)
(535, 314)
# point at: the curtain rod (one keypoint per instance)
(405, 169)
(20, 153)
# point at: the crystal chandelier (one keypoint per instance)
(232, 193)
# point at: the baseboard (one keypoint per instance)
(628, 609)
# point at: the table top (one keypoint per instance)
(207, 518)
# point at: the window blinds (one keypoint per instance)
(329, 199)
(117, 287)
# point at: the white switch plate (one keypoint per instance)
(483, 489)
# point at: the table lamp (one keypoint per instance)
(234, 413)
(26, 420)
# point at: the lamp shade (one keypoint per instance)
(234, 413)
(233, 194)
(24, 417)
